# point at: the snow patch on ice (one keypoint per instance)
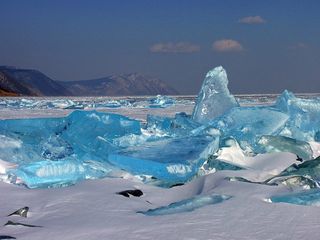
(179, 169)
(7, 142)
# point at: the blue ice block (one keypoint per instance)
(214, 98)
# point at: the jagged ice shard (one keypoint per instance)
(61, 151)
(304, 117)
(53, 152)
(214, 98)
(247, 124)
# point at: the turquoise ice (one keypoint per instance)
(214, 98)
(187, 205)
(304, 117)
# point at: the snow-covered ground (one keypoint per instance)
(93, 210)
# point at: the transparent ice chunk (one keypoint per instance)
(269, 143)
(304, 120)
(247, 124)
(214, 98)
(161, 102)
(169, 160)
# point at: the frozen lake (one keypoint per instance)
(135, 107)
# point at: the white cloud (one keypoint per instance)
(227, 45)
(299, 45)
(178, 47)
(252, 20)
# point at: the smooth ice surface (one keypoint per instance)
(214, 98)
(187, 205)
(48, 174)
(309, 197)
(170, 160)
(72, 103)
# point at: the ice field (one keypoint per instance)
(215, 166)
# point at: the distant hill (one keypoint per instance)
(8, 94)
(31, 82)
(117, 85)
(9, 85)
(14, 81)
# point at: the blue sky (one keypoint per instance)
(265, 46)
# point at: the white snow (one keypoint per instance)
(4, 165)
(178, 169)
(315, 146)
(93, 210)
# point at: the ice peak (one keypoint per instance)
(214, 98)
(217, 71)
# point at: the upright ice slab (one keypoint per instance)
(214, 98)
(247, 124)
(304, 117)
(269, 144)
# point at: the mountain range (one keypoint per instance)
(29, 82)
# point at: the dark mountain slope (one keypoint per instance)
(11, 85)
(36, 82)
(117, 85)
